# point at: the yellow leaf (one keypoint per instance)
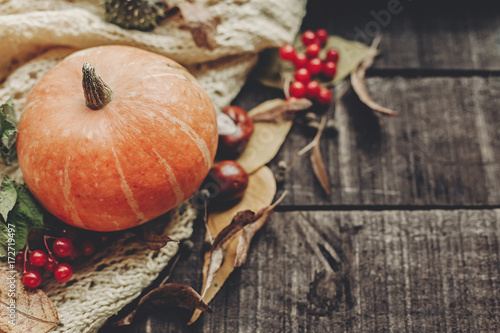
(258, 195)
(34, 311)
(266, 139)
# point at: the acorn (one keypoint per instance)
(141, 15)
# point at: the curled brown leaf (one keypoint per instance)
(200, 22)
(258, 195)
(359, 84)
(34, 311)
(167, 296)
(285, 110)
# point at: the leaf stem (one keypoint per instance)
(48, 249)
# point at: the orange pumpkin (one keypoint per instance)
(129, 144)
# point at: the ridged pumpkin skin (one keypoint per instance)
(133, 160)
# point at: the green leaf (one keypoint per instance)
(24, 214)
(27, 209)
(3, 240)
(8, 132)
(8, 196)
(271, 69)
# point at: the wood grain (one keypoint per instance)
(418, 37)
(389, 271)
(443, 149)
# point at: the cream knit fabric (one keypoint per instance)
(36, 34)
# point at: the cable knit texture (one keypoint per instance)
(36, 34)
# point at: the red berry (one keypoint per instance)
(88, 247)
(300, 61)
(324, 96)
(63, 247)
(38, 258)
(50, 265)
(63, 273)
(312, 89)
(322, 36)
(20, 257)
(75, 254)
(330, 69)
(302, 75)
(312, 50)
(332, 55)
(315, 66)
(32, 279)
(297, 89)
(308, 37)
(287, 52)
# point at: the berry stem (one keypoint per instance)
(26, 250)
(48, 249)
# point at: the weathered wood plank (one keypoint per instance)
(443, 149)
(439, 38)
(388, 271)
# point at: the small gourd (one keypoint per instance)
(124, 147)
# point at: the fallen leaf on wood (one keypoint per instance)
(320, 170)
(285, 110)
(258, 195)
(33, 309)
(359, 84)
(167, 296)
(246, 238)
(266, 139)
(215, 262)
(271, 69)
(200, 22)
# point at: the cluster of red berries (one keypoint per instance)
(64, 248)
(309, 65)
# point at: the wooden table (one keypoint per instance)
(409, 239)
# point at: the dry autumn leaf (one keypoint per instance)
(285, 110)
(258, 195)
(167, 296)
(200, 22)
(33, 309)
(266, 139)
(320, 170)
(153, 233)
(359, 84)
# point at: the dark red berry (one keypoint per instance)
(300, 61)
(312, 89)
(302, 75)
(287, 52)
(75, 254)
(312, 50)
(63, 272)
(315, 66)
(297, 89)
(88, 247)
(308, 37)
(20, 257)
(32, 279)
(322, 36)
(63, 247)
(332, 55)
(330, 69)
(324, 96)
(38, 258)
(50, 265)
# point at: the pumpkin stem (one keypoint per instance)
(97, 93)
